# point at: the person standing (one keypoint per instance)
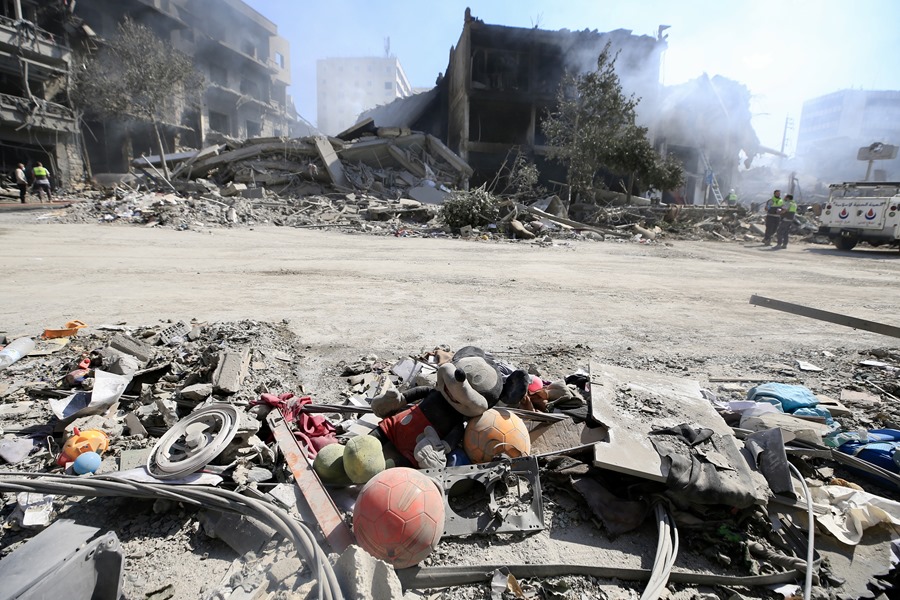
(773, 216)
(22, 182)
(731, 198)
(41, 181)
(788, 215)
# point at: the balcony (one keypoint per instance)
(47, 116)
(35, 43)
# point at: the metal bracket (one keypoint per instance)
(314, 493)
(514, 515)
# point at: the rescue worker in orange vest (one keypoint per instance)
(773, 216)
(788, 215)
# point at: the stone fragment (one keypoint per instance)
(197, 392)
(230, 371)
(129, 345)
(364, 577)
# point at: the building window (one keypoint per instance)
(249, 48)
(218, 122)
(250, 88)
(187, 34)
(254, 129)
(218, 74)
(279, 59)
(389, 85)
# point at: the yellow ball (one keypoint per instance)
(496, 432)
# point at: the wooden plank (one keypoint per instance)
(824, 315)
(332, 162)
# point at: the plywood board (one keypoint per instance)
(633, 403)
(565, 436)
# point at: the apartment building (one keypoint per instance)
(36, 121)
(834, 126)
(345, 87)
(245, 64)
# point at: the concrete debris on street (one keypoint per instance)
(575, 455)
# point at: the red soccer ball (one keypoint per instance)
(399, 516)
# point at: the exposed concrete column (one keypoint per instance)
(18, 6)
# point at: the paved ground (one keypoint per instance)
(364, 291)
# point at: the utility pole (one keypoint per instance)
(788, 124)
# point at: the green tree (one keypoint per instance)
(592, 131)
(137, 76)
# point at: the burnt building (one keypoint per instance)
(501, 82)
(245, 65)
(37, 122)
(705, 124)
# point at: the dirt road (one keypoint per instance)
(392, 295)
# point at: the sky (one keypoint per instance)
(784, 51)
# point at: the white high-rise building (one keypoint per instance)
(345, 87)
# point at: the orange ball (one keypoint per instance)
(399, 516)
(496, 432)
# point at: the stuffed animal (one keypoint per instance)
(433, 426)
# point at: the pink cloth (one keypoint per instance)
(315, 431)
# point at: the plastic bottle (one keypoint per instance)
(14, 351)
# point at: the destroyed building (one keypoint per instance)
(36, 121)
(243, 60)
(705, 123)
(501, 81)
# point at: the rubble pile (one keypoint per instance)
(220, 409)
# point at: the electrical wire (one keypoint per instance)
(810, 546)
(666, 553)
(224, 500)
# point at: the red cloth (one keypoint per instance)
(315, 431)
(403, 429)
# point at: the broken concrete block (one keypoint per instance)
(168, 409)
(427, 194)
(230, 371)
(233, 189)
(129, 345)
(283, 569)
(15, 450)
(134, 426)
(197, 392)
(124, 364)
(243, 534)
(256, 193)
(131, 459)
(364, 577)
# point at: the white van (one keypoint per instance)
(862, 212)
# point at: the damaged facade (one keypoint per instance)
(501, 82)
(37, 122)
(243, 60)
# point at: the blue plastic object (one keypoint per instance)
(791, 397)
(88, 462)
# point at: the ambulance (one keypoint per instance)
(862, 212)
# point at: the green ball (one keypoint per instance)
(329, 465)
(363, 458)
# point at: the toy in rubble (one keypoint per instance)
(399, 516)
(421, 426)
(496, 432)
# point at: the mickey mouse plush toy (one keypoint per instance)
(426, 432)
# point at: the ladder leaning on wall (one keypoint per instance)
(713, 182)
